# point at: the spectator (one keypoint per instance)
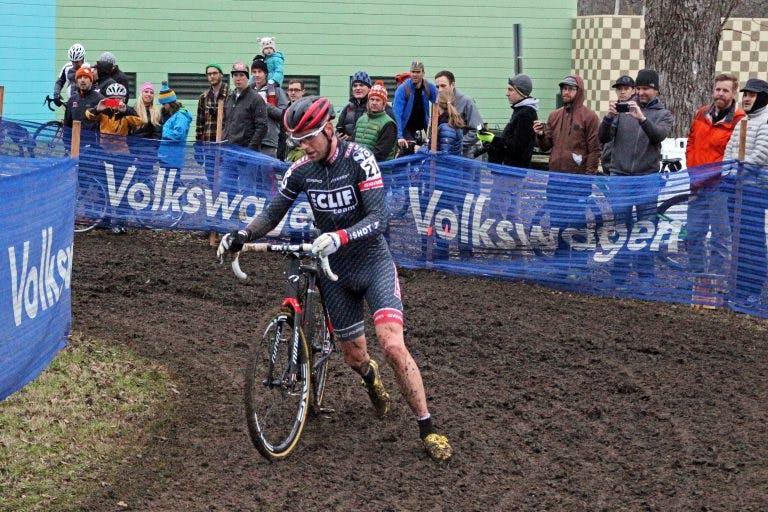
(207, 117)
(274, 59)
(708, 207)
(625, 91)
(108, 72)
(411, 107)
(450, 138)
(514, 147)
(357, 106)
(446, 81)
(277, 102)
(115, 120)
(751, 268)
(375, 129)
(175, 129)
(208, 103)
(67, 79)
(287, 150)
(78, 103)
(637, 136)
(148, 112)
(245, 124)
(571, 132)
(754, 100)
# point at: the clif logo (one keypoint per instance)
(332, 200)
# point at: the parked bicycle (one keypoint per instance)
(288, 366)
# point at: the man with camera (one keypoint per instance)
(625, 91)
(636, 135)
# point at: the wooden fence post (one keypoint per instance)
(213, 238)
(74, 149)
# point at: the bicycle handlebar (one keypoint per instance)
(47, 101)
(302, 249)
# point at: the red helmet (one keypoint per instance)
(308, 113)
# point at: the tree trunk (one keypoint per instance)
(681, 43)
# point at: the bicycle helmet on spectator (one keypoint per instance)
(116, 89)
(76, 52)
(307, 114)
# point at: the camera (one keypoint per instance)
(112, 103)
(622, 107)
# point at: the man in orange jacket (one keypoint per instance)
(708, 206)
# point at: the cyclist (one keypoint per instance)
(76, 54)
(345, 190)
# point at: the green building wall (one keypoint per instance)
(334, 39)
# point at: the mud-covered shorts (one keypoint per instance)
(371, 277)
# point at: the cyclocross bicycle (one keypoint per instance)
(288, 366)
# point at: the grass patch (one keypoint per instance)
(95, 403)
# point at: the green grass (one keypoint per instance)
(94, 404)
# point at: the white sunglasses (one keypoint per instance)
(307, 136)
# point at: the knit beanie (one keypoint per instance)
(147, 86)
(107, 58)
(522, 84)
(84, 71)
(362, 77)
(378, 91)
(647, 78)
(167, 95)
(214, 65)
(259, 63)
(267, 42)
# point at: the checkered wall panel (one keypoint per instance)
(606, 47)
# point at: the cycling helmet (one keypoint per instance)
(115, 89)
(362, 77)
(308, 113)
(76, 52)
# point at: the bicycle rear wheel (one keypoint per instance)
(49, 138)
(91, 204)
(276, 390)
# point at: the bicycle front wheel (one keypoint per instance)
(49, 138)
(277, 387)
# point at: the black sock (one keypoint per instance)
(368, 375)
(426, 427)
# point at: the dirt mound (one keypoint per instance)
(552, 400)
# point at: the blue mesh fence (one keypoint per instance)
(695, 236)
(36, 218)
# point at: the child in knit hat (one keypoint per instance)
(274, 59)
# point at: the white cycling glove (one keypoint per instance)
(232, 242)
(327, 243)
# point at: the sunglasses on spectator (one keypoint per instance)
(309, 136)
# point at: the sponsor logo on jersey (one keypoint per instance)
(337, 200)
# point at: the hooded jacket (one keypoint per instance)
(636, 146)
(571, 133)
(472, 119)
(757, 139)
(173, 144)
(514, 146)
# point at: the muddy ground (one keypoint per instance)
(552, 400)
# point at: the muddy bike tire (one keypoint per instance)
(90, 205)
(678, 259)
(49, 136)
(277, 400)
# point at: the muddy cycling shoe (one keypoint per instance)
(438, 447)
(378, 395)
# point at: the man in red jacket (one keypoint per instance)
(708, 206)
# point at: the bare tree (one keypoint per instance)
(681, 43)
